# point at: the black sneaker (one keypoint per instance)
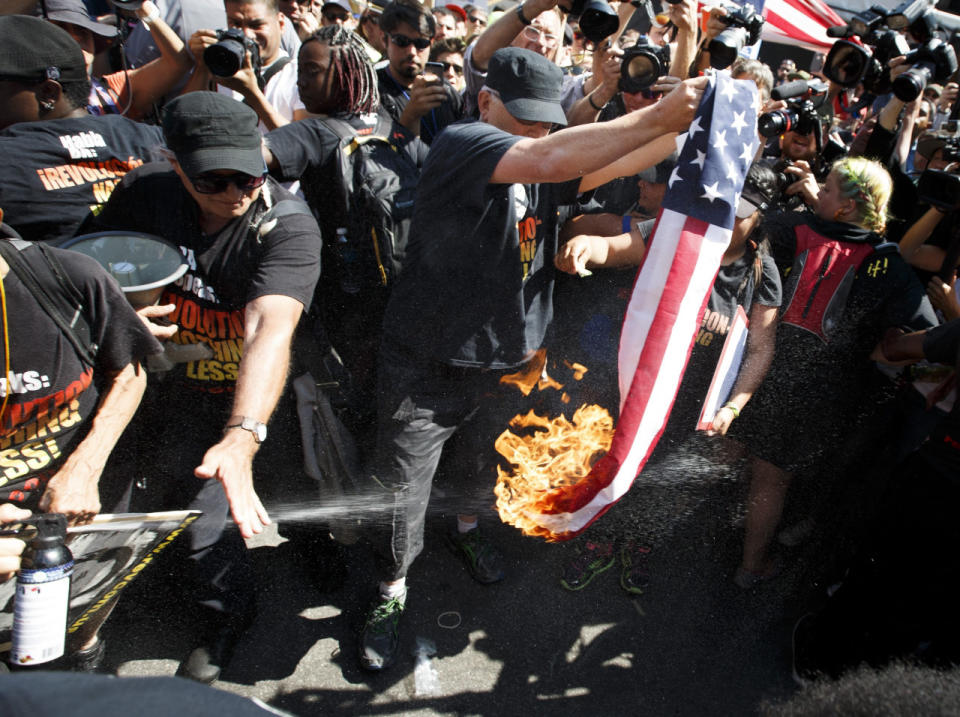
(380, 638)
(483, 559)
(591, 560)
(635, 576)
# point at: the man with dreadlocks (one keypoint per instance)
(337, 80)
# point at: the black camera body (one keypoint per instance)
(643, 64)
(800, 114)
(940, 189)
(224, 58)
(848, 62)
(933, 61)
(744, 26)
(783, 201)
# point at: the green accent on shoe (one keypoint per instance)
(592, 559)
(483, 559)
(380, 638)
(634, 577)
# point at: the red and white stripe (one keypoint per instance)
(665, 309)
(799, 22)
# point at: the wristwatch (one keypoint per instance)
(523, 18)
(258, 429)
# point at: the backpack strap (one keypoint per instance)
(275, 68)
(53, 290)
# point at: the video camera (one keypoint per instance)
(800, 115)
(597, 20)
(744, 25)
(224, 58)
(849, 62)
(643, 64)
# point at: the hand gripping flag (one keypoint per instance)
(669, 295)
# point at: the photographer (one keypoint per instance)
(267, 78)
(421, 102)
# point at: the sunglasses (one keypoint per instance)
(447, 66)
(650, 94)
(402, 41)
(217, 183)
(333, 14)
(477, 20)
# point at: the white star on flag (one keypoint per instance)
(747, 154)
(701, 158)
(738, 122)
(732, 172)
(710, 191)
(695, 127)
(721, 140)
(674, 177)
(729, 91)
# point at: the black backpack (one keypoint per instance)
(377, 182)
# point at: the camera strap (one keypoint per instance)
(271, 71)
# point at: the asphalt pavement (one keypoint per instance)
(692, 644)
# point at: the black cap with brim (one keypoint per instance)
(528, 85)
(208, 131)
(34, 50)
(928, 144)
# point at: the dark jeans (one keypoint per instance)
(420, 405)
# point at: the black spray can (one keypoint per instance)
(43, 595)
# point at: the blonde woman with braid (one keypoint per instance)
(843, 287)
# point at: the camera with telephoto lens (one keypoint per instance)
(744, 25)
(224, 58)
(933, 61)
(643, 64)
(800, 115)
(597, 20)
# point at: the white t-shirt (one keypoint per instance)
(281, 91)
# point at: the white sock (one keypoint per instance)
(395, 589)
(464, 527)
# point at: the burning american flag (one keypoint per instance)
(669, 295)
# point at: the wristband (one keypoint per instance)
(625, 223)
(733, 409)
(151, 16)
(523, 18)
(590, 100)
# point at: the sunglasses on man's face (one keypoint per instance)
(217, 183)
(402, 41)
(458, 69)
(476, 20)
(335, 14)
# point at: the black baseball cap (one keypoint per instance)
(34, 50)
(528, 84)
(209, 131)
(75, 13)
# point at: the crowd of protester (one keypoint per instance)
(536, 166)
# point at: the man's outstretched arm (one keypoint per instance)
(269, 323)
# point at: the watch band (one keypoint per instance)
(258, 429)
(523, 18)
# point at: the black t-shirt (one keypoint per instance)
(53, 394)
(394, 98)
(250, 257)
(476, 289)
(57, 171)
(942, 448)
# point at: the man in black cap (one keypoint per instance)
(475, 295)
(254, 257)
(59, 162)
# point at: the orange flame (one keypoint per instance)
(556, 454)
